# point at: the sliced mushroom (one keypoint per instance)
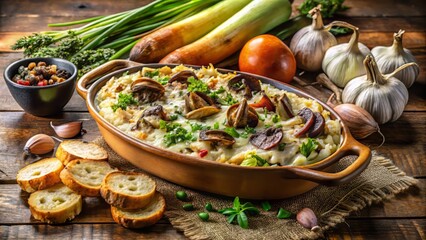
(241, 115)
(284, 108)
(147, 90)
(264, 102)
(199, 105)
(151, 116)
(245, 83)
(308, 118)
(216, 137)
(267, 139)
(182, 76)
(318, 127)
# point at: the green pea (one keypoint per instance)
(181, 195)
(188, 207)
(203, 216)
(209, 207)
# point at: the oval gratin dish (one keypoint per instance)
(219, 178)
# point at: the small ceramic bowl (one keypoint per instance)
(42, 100)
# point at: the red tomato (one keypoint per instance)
(268, 56)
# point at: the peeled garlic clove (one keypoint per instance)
(390, 58)
(306, 217)
(39, 144)
(68, 130)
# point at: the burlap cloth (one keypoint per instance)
(380, 181)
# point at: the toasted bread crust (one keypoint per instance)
(126, 201)
(71, 181)
(35, 176)
(51, 213)
(158, 204)
(73, 149)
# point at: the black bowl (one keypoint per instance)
(42, 100)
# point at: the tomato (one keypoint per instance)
(268, 56)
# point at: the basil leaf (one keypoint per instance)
(231, 218)
(242, 220)
(266, 206)
(282, 214)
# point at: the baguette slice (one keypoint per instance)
(85, 176)
(40, 175)
(73, 149)
(128, 190)
(56, 204)
(143, 217)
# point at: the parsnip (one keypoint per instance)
(154, 46)
(256, 18)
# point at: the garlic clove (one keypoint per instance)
(307, 218)
(39, 144)
(68, 130)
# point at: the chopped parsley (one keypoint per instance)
(281, 147)
(253, 160)
(163, 80)
(124, 100)
(228, 100)
(215, 94)
(196, 127)
(152, 74)
(232, 131)
(247, 130)
(175, 133)
(173, 117)
(216, 125)
(276, 118)
(307, 147)
(196, 85)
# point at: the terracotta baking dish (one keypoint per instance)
(219, 178)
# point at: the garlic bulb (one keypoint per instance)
(307, 218)
(389, 58)
(383, 96)
(310, 43)
(343, 62)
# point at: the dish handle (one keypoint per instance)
(354, 169)
(100, 71)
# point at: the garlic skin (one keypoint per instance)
(307, 218)
(383, 96)
(390, 58)
(39, 144)
(343, 62)
(310, 43)
(68, 130)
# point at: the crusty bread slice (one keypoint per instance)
(40, 175)
(85, 176)
(56, 204)
(143, 217)
(128, 190)
(73, 149)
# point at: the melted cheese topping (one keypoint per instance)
(173, 103)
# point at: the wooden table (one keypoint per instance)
(403, 217)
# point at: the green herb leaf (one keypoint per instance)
(230, 219)
(242, 220)
(196, 85)
(228, 100)
(123, 101)
(282, 214)
(328, 7)
(173, 117)
(227, 211)
(203, 216)
(276, 118)
(197, 127)
(236, 204)
(266, 206)
(232, 131)
(216, 125)
(247, 130)
(152, 74)
(307, 147)
(281, 147)
(163, 80)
